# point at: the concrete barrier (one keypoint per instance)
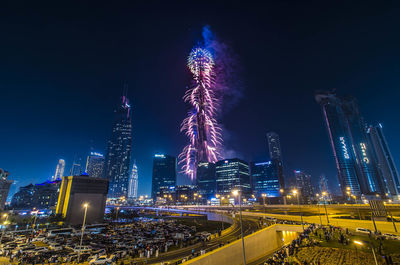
(257, 245)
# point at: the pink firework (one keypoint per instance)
(200, 126)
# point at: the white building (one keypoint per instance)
(133, 182)
(59, 170)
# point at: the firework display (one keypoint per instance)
(200, 126)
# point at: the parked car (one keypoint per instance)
(84, 249)
(363, 230)
(102, 260)
(391, 236)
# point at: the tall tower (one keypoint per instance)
(119, 151)
(59, 169)
(133, 182)
(95, 165)
(385, 162)
(164, 173)
(348, 139)
(303, 182)
(200, 126)
(275, 153)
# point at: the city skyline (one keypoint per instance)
(277, 104)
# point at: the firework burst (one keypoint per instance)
(200, 126)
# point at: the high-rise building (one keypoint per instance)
(275, 154)
(133, 182)
(274, 146)
(349, 144)
(42, 195)
(118, 156)
(385, 163)
(206, 182)
(303, 183)
(59, 169)
(76, 169)
(265, 179)
(5, 185)
(232, 174)
(95, 165)
(323, 184)
(164, 173)
(75, 192)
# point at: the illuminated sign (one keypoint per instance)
(159, 156)
(344, 148)
(96, 154)
(364, 153)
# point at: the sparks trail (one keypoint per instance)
(200, 126)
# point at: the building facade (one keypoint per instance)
(349, 143)
(385, 162)
(59, 169)
(75, 192)
(133, 182)
(118, 156)
(275, 153)
(95, 165)
(265, 179)
(164, 173)
(232, 174)
(5, 185)
(76, 169)
(206, 181)
(304, 186)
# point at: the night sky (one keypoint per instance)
(62, 70)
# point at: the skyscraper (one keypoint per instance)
(349, 143)
(206, 183)
(385, 163)
(119, 151)
(59, 169)
(323, 184)
(265, 179)
(133, 182)
(164, 173)
(5, 185)
(95, 165)
(232, 174)
(303, 183)
(76, 169)
(274, 146)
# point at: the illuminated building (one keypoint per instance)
(265, 179)
(275, 154)
(59, 169)
(95, 165)
(164, 173)
(349, 143)
(133, 182)
(5, 185)
(385, 163)
(303, 183)
(76, 169)
(76, 191)
(232, 174)
(118, 156)
(42, 195)
(206, 182)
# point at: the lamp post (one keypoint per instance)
(83, 230)
(298, 203)
(239, 193)
(319, 212)
(5, 223)
(282, 191)
(263, 196)
(326, 212)
(361, 243)
(34, 220)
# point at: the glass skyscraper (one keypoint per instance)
(265, 179)
(59, 169)
(232, 174)
(275, 154)
(303, 183)
(95, 165)
(118, 156)
(349, 143)
(206, 183)
(385, 163)
(164, 173)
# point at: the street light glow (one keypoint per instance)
(235, 192)
(85, 205)
(358, 242)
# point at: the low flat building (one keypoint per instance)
(76, 191)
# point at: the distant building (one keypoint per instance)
(232, 174)
(347, 134)
(133, 182)
(95, 165)
(385, 162)
(42, 196)
(76, 169)
(265, 179)
(275, 154)
(59, 169)
(205, 179)
(180, 194)
(323, 184)
(118, 156)
(164, 173)
(76, 191)
(303, 183)
(5, 185)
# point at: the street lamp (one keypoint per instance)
(263, 196)
(361, 243)
(239, 193)
(282, 191)
(34, 220)
(319, 212)
(298, 203)
(83, 230)
(324, 193)
(5, 223)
